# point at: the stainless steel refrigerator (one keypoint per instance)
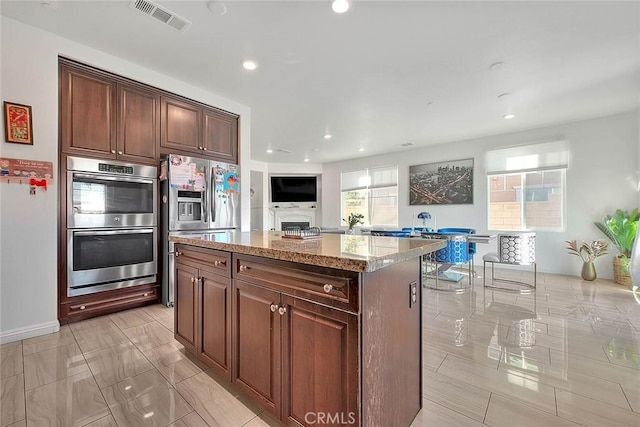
(197, 196)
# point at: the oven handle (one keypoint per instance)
(110, 232)
(113, 178)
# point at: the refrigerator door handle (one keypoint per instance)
(213, 197)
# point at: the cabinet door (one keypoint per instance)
(256, 351)
(319, 364)
(220, 135)
(215, 322)
(186, 310)
(138, 125)
(180, 125)
(87, 113)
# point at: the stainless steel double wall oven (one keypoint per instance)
(111, 225)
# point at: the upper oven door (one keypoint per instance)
(98, 200)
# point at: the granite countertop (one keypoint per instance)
(360, 253)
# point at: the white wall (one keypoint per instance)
(603, 165)
(28, 277)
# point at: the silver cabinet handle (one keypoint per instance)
(113, 151)
(223, 263)
(82, 307)
(327, 288)
(273, 307)
(244, 267)
(145, 294)
(193, 280)
(204, 148)
(177, 253)
(200, 147)
(282, 310)
(119, 152)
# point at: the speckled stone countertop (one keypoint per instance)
(361, 253)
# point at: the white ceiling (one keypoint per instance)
(384, 73)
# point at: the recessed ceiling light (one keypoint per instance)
(509, 116)
(340, 6)
(496, 66)
(249, 65)
(361, 149)
(306, 159)
(327, 136)
(216, 7)
(269, 150)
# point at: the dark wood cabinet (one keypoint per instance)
(87, 113)
(181, 125)
(292, 355)
(203, 323)
(186, 305)
(102, 117)
(312, 345)
(319, 362)
(188, 127)
(256, 351)
(215, 322)
(138, 124)
(220, 135)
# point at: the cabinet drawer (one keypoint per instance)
(218, 262)
(334, 288)
(99, 305)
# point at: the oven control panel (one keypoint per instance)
(125, 170)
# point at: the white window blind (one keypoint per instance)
(532, 157)
(384, 176)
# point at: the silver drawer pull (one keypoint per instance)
(273, 307)
(244, 267)
(327, 288)
(145, 294)
(221, 263)
(282, 310)
(82, 307)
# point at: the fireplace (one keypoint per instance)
(302, 218)
(290, 224)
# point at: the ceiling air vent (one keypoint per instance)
(161, 14)
(284, 150)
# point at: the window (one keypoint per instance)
(371, 192)
(526, 187)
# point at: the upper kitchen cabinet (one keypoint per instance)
(181, 125)
(220, 135)
(103, 117)
(87, 113)
(138, 124)
(189, 127)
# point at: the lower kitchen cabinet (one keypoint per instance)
(312, 345)
(294, 357)
(186, 305)
(202, 306)
(214, 346)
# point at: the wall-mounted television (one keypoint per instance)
(294, 189)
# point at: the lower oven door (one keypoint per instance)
(99, 260)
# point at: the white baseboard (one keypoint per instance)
(29, 332)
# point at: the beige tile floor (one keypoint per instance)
(566, 355)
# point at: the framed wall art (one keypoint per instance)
(18, 127)
(442, 183)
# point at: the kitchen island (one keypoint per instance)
(324, 331)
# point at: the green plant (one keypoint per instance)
(621, 229)
(354, 218)
(587, 251)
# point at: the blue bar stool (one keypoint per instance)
(455, 253)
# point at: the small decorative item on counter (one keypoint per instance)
(424, 216)
(588, 252)
(354, 219)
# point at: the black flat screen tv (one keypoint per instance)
(294, 189)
